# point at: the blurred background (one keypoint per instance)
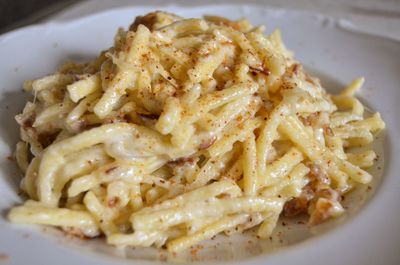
(15, 13)
(373, 16)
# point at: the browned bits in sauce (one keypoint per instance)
(111, 203)
(45, 139)
(308, 121)
(321, 213)
(310, 80)
(111, 169)
(300, 204)
(262, 70)
(149, 116)
(26, 122)
(208, 143)
(296, 68)
(328, 130)
(74, 232)
(181, 161)
(318, 175)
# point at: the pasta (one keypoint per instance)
(184, 129)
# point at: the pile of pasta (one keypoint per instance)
(184, 129)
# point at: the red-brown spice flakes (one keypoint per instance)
(194, 251)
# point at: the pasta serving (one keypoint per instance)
(184, 129)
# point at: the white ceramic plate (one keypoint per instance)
(328, 47)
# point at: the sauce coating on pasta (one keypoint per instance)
(184, 129)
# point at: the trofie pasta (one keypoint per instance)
(184, 129)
